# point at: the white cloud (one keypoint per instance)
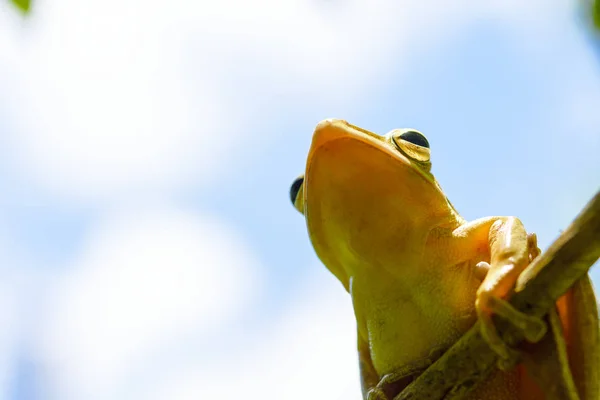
(145, 283)
(114, 98)
(9, 316)
(104, 106)
(8, 337)
(144, 278)
(308, 354)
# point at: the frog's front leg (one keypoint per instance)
(510, 251)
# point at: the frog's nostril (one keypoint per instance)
(295, 188)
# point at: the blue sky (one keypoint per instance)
(148, 248)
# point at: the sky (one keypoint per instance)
(148, 247)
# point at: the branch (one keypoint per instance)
(470, 360)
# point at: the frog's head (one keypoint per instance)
(363, 194)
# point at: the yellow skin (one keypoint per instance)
(419, 275)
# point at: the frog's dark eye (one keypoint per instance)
(296, 192)
(411, 143)
(415, 137)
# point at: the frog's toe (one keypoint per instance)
(507, 356)
(508, 363)
(376, 394)
(533, 328)
(532, 246)
(481, 270)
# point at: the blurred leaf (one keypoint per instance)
(590, 10)
(23, 5)
(596, 13)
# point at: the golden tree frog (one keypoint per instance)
(418, 274)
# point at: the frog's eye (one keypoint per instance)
(411, 143)
(296, 191)
(415, 138)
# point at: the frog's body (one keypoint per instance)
(418, 273)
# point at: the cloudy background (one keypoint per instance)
(148, 248)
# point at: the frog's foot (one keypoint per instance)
(533, 328)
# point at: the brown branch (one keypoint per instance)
(470, 360)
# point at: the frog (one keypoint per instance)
(418, 274)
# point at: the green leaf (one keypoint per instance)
(596, 13)
(22, 5)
